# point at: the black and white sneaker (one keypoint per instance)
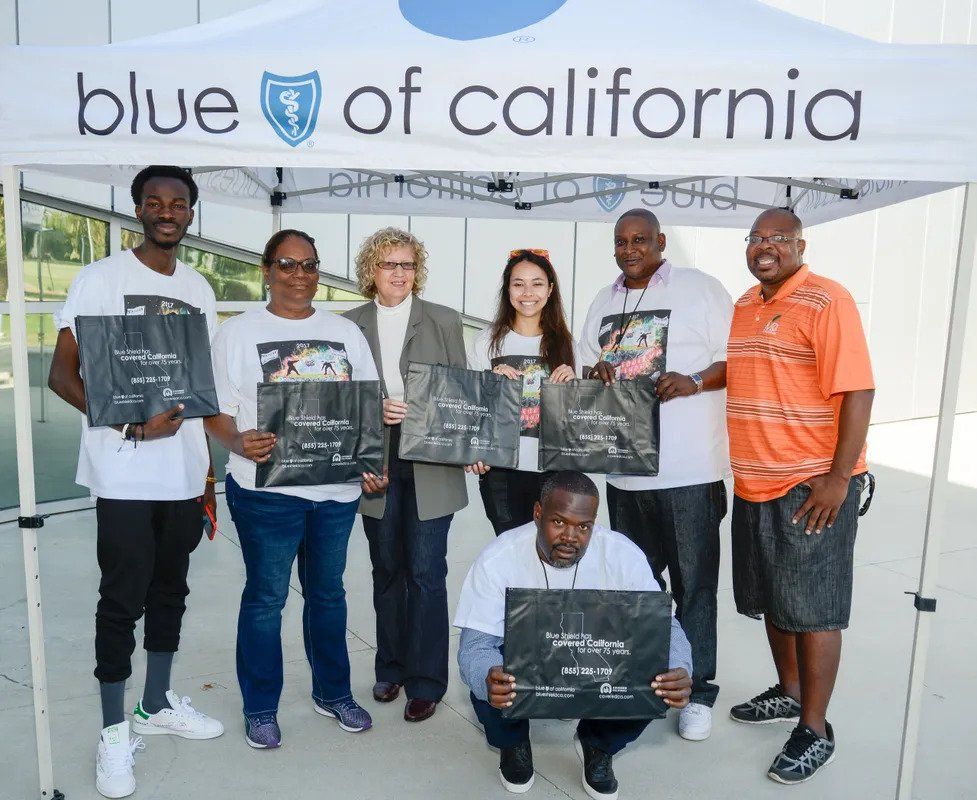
(769, 706)
(598, 771)
(516, 768)
(803, 755)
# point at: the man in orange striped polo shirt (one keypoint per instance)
(799, 397)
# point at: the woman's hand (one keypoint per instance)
(255, 445)
(394, 411)
(562, 374)
(478, 468)
(374, 484)
(507, 371)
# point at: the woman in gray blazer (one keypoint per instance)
(407, 527)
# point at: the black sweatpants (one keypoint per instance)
(144, 551)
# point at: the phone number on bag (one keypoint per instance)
(150, 379)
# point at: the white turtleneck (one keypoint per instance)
(391, 330)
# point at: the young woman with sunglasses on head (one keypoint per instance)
(407, 527)
(528, 341)
(288, 340)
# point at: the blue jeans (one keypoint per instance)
(410, 566)
(609, 735)
(273, 529)
(678, 530)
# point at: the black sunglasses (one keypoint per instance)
(289, 265)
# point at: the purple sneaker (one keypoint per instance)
(351, 715)
(261, 731)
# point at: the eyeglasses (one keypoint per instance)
(288, 265)
(536, 252)
(390, 266)
(777, 238)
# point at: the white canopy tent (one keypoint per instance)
(703, 111)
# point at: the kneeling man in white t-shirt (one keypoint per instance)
(562, 548)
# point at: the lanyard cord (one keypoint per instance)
(625, 327)
(546, 578)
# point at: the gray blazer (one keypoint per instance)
(434, 336)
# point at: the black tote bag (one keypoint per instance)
(460, 416)
(137, 366)
(328, 432)
(586, 653)
(591, 427)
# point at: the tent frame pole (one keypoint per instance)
(939, 489)
(29, 520)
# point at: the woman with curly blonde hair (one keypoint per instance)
(407, 527)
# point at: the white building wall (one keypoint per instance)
(898, 262)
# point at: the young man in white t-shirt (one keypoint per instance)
(149, 480)
(670, 324)
(562, 548)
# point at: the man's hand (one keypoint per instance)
(164, 424)
(374, 484)
(828, 492)
(562, 374)
(674, 687)
(502, 687)
(478, 468)
(210, 498)
(675, 384)
(255, 445)
(394, 411)
(507, 371)
(602, 371)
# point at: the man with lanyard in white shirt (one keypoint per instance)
(562, 548)
(148, 478)
(670, 324)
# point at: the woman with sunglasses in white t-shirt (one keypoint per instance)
(288, 340)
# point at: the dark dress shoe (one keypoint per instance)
(419, 710)
(385, 692)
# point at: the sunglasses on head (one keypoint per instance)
(535, 251)
(288, 265)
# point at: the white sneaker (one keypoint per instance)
(695, 722)
(180, 719)
(114, 760)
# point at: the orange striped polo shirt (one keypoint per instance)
(789, 361)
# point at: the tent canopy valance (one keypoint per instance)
(669, 89)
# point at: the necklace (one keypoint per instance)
(626, 326)
(546, 577)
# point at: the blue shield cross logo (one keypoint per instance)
(291, 104)
(611, 200)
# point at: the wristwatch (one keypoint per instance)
(697, 380)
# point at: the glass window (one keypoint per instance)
(335, 293)
(56, 245)
(55, 425)
(230, 278)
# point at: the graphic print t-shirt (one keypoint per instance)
(521, 353)
(259, 347)
(174, 468)
(681, 325)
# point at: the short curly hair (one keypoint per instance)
(376, 246)
(162, 171)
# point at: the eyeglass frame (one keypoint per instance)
(391, 266)
(295, 264)
(777, 238)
